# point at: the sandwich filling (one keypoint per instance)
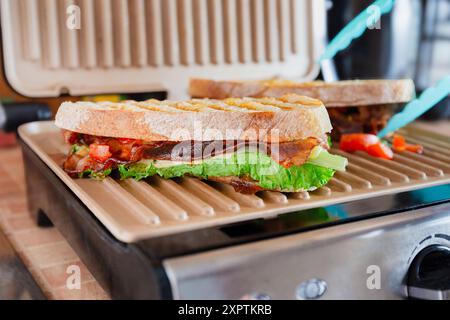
(363, 119)
(249, 167)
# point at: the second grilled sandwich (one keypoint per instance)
(354, 106)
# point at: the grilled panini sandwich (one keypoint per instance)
(354, 106)
(253, 144)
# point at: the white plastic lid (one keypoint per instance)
(96, 47)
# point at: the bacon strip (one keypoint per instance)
(295, 153)
(241, 185)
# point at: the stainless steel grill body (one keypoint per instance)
(363, 260)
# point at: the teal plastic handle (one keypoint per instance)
(418, 107)
(357, 27)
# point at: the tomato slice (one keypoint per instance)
(125, 140)
(99, 152)
(416, 148)
(380, 150)
(399, 149)
(357, 142)
(399, 144)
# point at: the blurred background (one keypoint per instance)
(413, 42)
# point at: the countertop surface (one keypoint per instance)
(16, 282)
(34, 262)
(28, 252)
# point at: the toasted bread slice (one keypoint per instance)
(288, 118)
(336, 94)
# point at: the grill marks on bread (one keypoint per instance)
(286, 103)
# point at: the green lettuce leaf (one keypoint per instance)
(323, 158)
(100, 175)
(257, 166)
(138, 171)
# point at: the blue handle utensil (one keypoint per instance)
(418, 107)
(357, 27)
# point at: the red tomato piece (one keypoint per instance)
(99, 152)
(125, 140)
(416, 148)
(380, 150)
(399, 149)
(357, 142)
(399, 142)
